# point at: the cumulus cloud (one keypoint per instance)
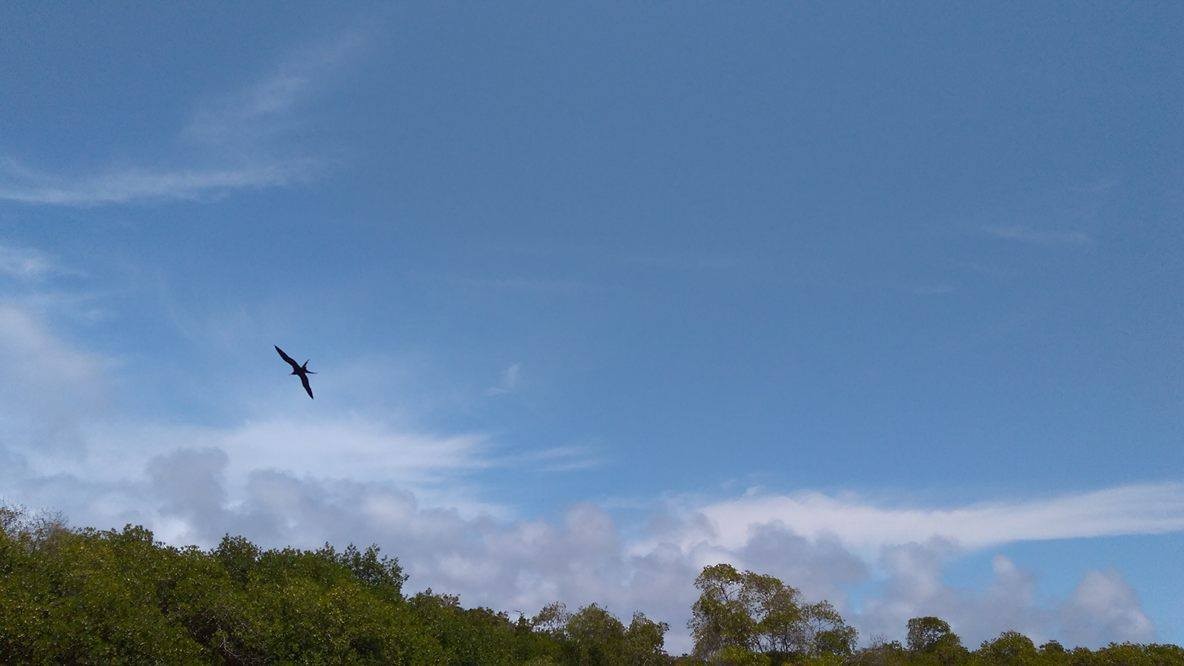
(50, 387)
(356, 479)
(585, 555)
(915, 587)
(1104, 605)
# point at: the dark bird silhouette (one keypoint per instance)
(301, 370)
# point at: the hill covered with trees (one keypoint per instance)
(89, 596)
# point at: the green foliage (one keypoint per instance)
(882, 654)
(925, 632)
(930, 641)
(1011, 648)
(468, 636)
(735, 655)
(593, 636)
(644, 640)
(84, 596)
(749, 612)
(824, 632)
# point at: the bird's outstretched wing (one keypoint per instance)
(287, 358)
(304, 380)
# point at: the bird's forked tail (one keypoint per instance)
(305, 368)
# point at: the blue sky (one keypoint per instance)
(883, 299)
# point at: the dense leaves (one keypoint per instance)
(740, 612)
(86, 596)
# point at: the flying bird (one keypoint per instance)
(301, 370)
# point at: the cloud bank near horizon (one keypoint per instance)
(358, 479)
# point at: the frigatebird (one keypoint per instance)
(301, 370)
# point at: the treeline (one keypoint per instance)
(742, 617)
(89, 596)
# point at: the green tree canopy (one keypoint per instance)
(925, 632)
(85, 596)
(759, 613)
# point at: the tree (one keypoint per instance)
(761, 614)
(467, 636)
(734, 655)
(826, 633)
(1011, 647)
(238, 556)
(645, 640)
(119, 596)
(379, 572)
(925, 632)
(1054, 649)
(723, 615)
(881, 652)
(595, 637)
(948, 650)
(551, 619)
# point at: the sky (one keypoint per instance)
(884, 300)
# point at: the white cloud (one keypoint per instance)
(247, 117)
(357, 479)
(1104, 605)
(50, 388)
(1103, 608)
(555, 459)
(238, 118)
(584, 556)
(354, 448)
(26, 263)
(234, 144)
(509, 381)
(866, 526)
(194, 495)
(914, 586)
(127, 185)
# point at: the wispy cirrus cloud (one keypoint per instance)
(23, 185)
(867, 526)
(28, 264)
(509, 381)
(235, 141)
(244, 120)
(556, 459)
